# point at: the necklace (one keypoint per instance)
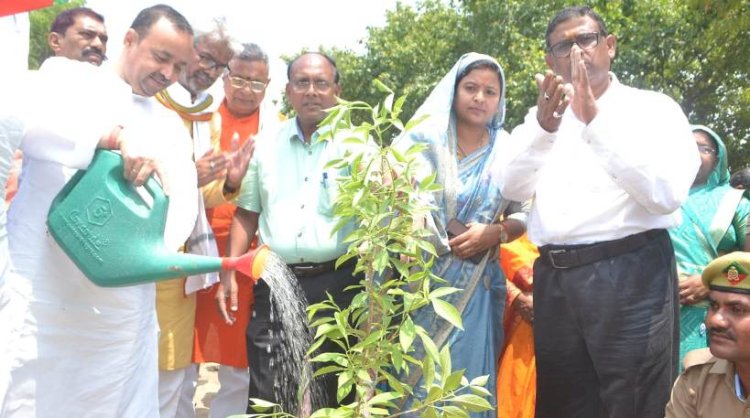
(462, 153)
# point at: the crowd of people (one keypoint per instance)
(601, 245)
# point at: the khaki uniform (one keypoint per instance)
(706, 389)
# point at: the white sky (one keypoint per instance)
(280, 27)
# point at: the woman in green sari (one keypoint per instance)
(714, 222)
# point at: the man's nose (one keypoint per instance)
(98, 43)
(716, 319)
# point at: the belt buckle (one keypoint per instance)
(551, 256)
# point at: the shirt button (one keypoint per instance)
(305, 178)
(302, 207)
(302, 260)
(299, 235)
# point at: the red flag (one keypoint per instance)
(10, 7)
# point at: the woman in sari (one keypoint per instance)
(463, 137)
(714, 222)
(516, 375)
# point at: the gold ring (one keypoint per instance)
(556, 115)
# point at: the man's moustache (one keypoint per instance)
(721, 332)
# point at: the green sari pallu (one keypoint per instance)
(714, 222)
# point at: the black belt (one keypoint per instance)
(316, 269)
(568, 256)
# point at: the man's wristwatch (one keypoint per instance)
(503, 234)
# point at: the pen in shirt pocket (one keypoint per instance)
(325, 180)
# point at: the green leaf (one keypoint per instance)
(430, 413)
(428, 371)
(453, 382)
(445, 362)
(448, 312)
(480, 380)
(415, 121)
(451, 411)
(261, 405)
(337, 358)
(472, 403)
(406, 333)
(327, 370)
(381, 86)
(384, 397)
(443, 291)
(345, 385)
(388, 102)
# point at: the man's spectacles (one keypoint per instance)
(240, 83)
(208, 62)
(301, 86)
(706, 150)
(586, 40)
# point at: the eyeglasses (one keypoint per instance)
(301, 86)
(240, 83)
(706, 150)
(586, 40)
(208, 62)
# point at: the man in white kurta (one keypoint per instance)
(75, 349)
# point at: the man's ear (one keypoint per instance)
(131, 37)
(53, 40)
(611, 46)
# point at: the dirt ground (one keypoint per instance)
(208, 385)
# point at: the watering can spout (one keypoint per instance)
(252, 264)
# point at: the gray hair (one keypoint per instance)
(215, 30)
(252, 52)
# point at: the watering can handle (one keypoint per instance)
(73, 181)
(161, 201)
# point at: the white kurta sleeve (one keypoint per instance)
(63, 91)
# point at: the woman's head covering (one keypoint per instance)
(439, 104)
(720, 174)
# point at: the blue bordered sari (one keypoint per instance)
(471, 193)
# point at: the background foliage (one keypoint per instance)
(696, 51)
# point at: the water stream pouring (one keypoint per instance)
(116, 237)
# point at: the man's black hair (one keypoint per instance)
(150, 15)
(570, 13)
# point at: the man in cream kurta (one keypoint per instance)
(75, 349)
(196, 103)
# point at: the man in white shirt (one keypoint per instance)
(607, 166)
(75, 349)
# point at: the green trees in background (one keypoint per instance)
(695, 51)
(40, 21)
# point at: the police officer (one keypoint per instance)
(716, 383)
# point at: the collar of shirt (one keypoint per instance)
(314, 139)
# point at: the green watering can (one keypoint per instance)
(116, 238)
